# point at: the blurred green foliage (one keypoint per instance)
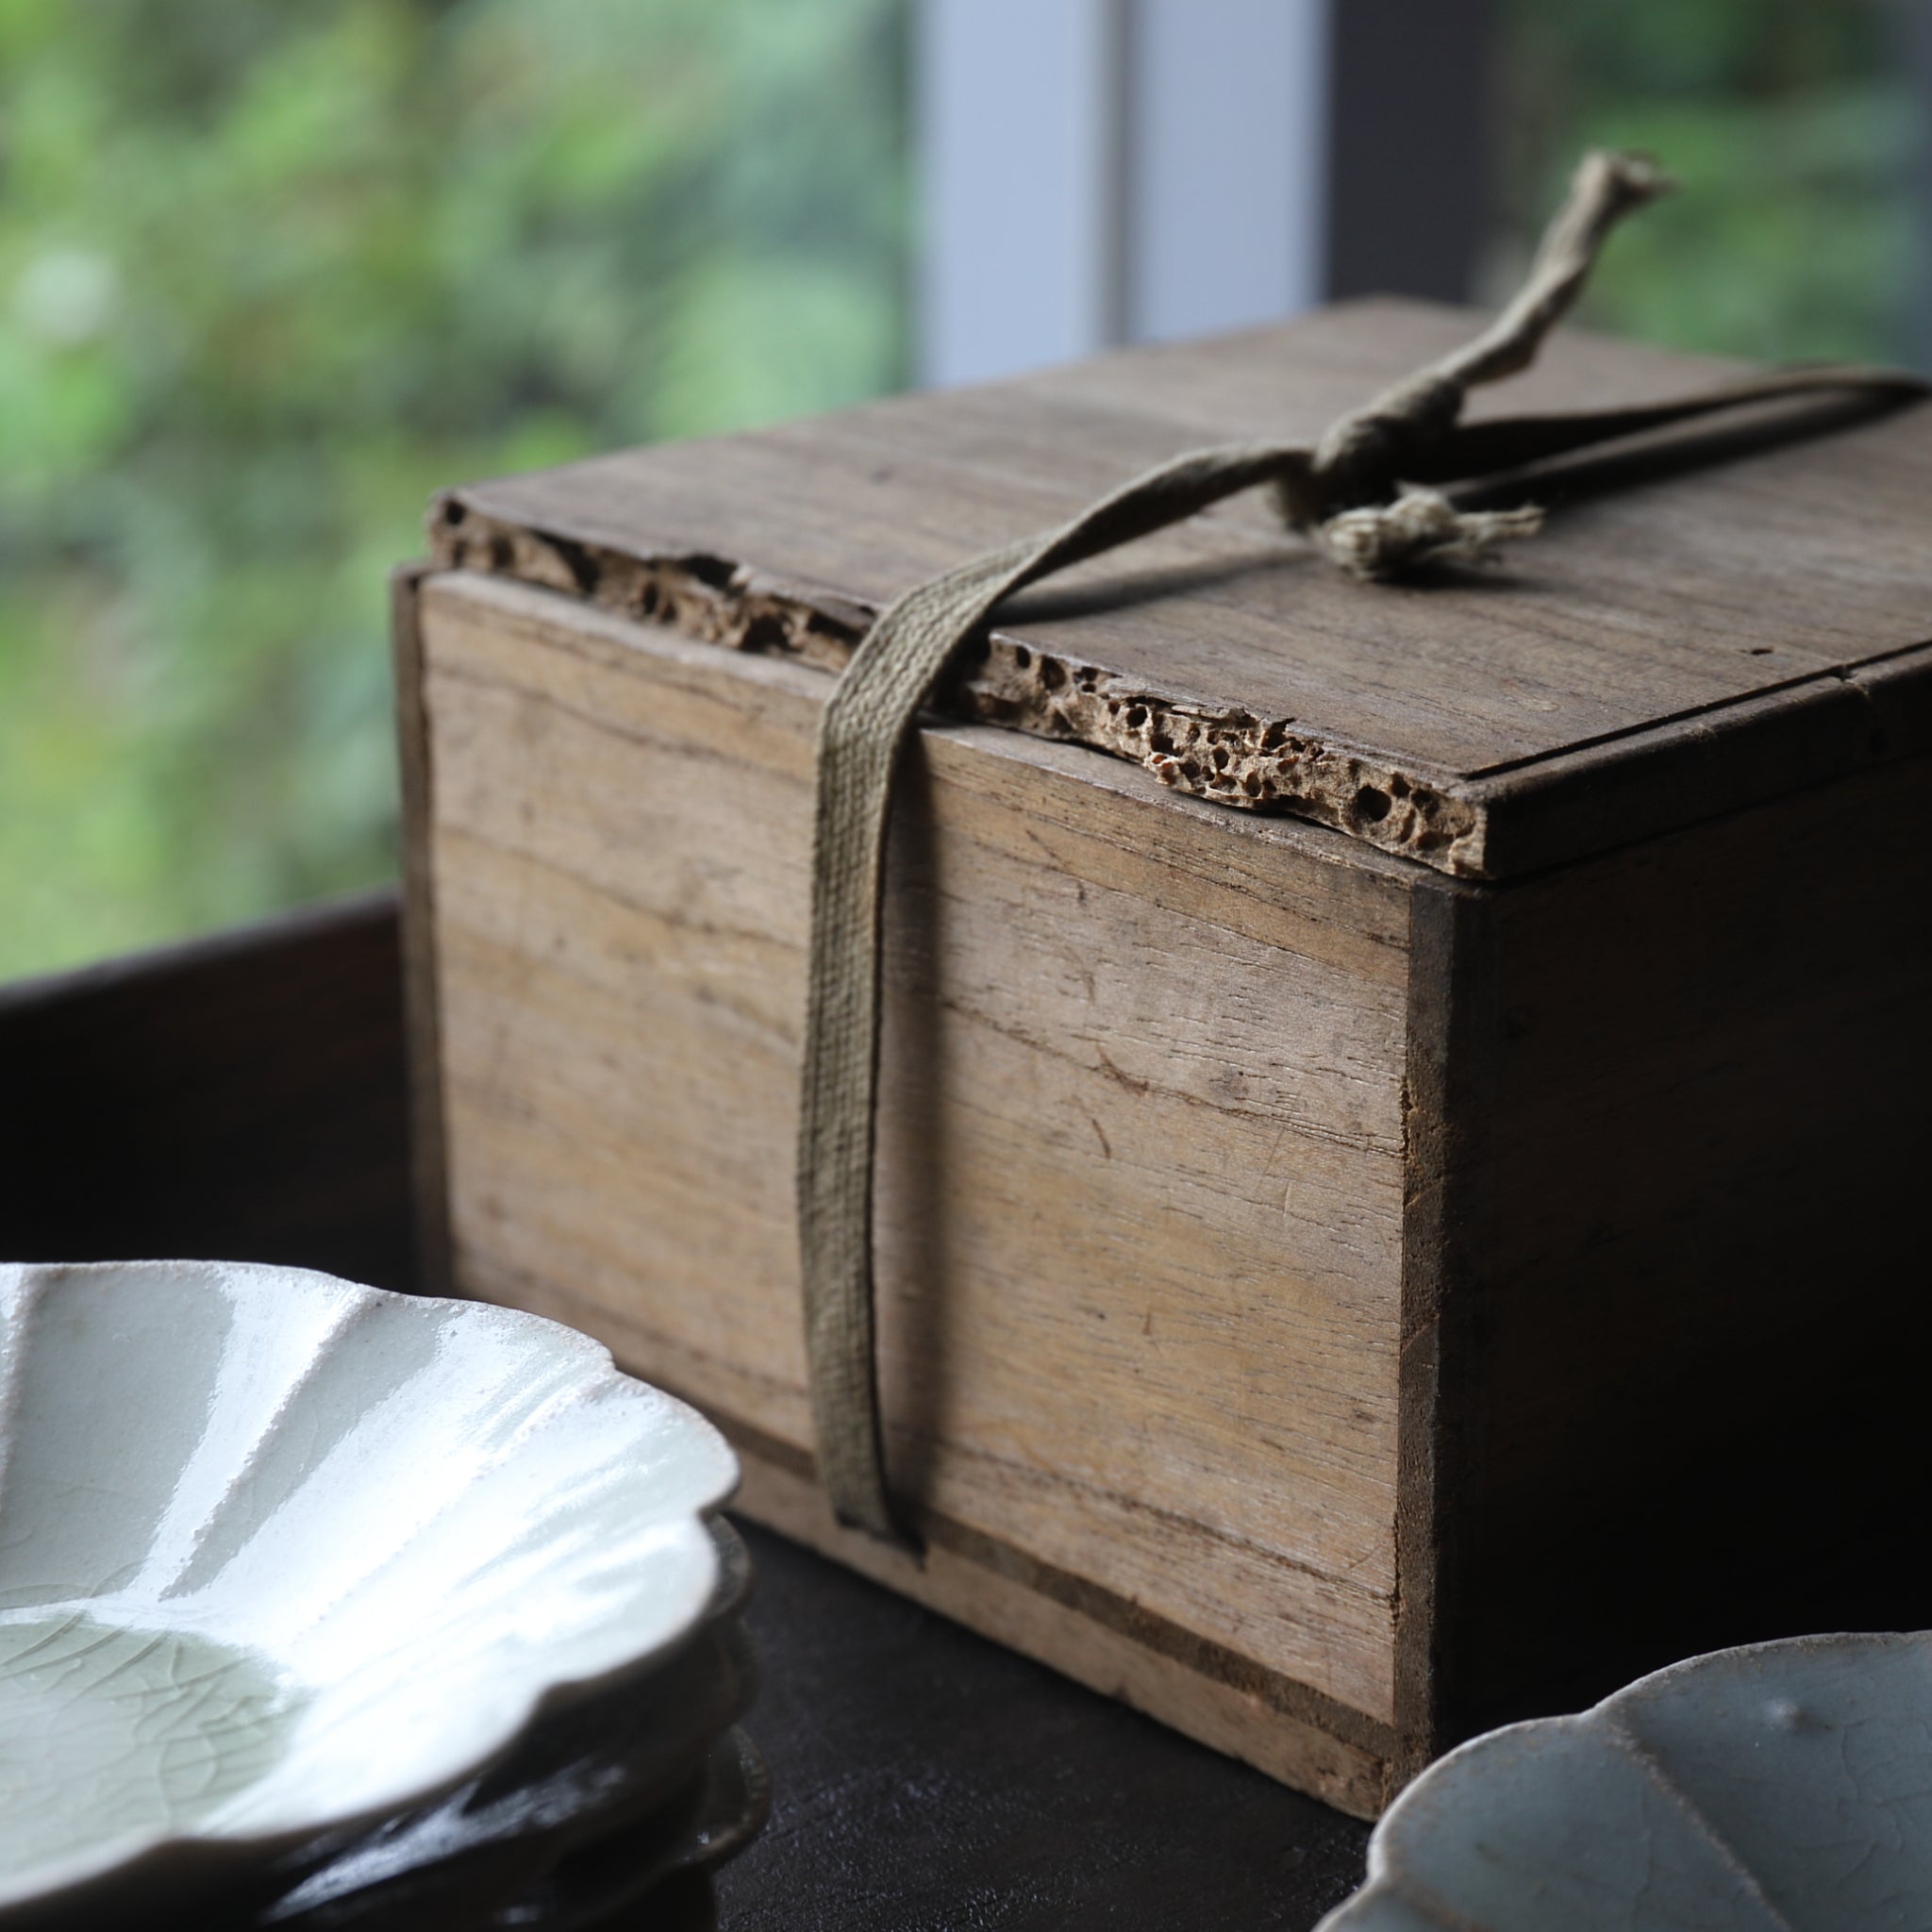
(269, 275)
(272, 273)
(1794, 130)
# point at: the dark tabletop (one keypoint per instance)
(244, 1099)
(925, 1780)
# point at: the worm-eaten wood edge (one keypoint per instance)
(1228, 755)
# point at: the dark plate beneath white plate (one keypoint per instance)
(664, 1857)
(600, 1801)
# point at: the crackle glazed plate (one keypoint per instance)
(279, 1555)
(1781, 1788)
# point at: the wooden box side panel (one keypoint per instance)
(1140, 1218)
(1685, 1317)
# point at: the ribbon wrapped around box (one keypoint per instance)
(1336, 1273)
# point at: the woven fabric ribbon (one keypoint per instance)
(1362, 494)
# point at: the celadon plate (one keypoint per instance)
(1780, 1787)
(279, 1553)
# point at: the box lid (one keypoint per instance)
(1682, 637)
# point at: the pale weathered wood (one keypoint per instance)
(428, 1163)
(1720, 607)
(1211, 1694)
(1141, 1209)
(1318, 1750)
(1331, 1304)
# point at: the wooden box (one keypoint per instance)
(1352, 1270)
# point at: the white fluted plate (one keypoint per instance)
(1778, 1788)
(278, 1552)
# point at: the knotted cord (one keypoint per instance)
(1362, 493)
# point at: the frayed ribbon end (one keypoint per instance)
(1420, 526)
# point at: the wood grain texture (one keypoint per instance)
(1325, 1751)
(428, 1163)
(1140, 1213)
(1688, 641)
(1448, 1097)
(1684, 1268)
(1330, 1305)
(922, 1774)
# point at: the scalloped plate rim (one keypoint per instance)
(158, 1855)
(1381, 1882)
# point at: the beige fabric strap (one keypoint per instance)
(1359, 494)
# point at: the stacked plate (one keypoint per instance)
(1776, 1788)
(324, 1607)
(642, 1788)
